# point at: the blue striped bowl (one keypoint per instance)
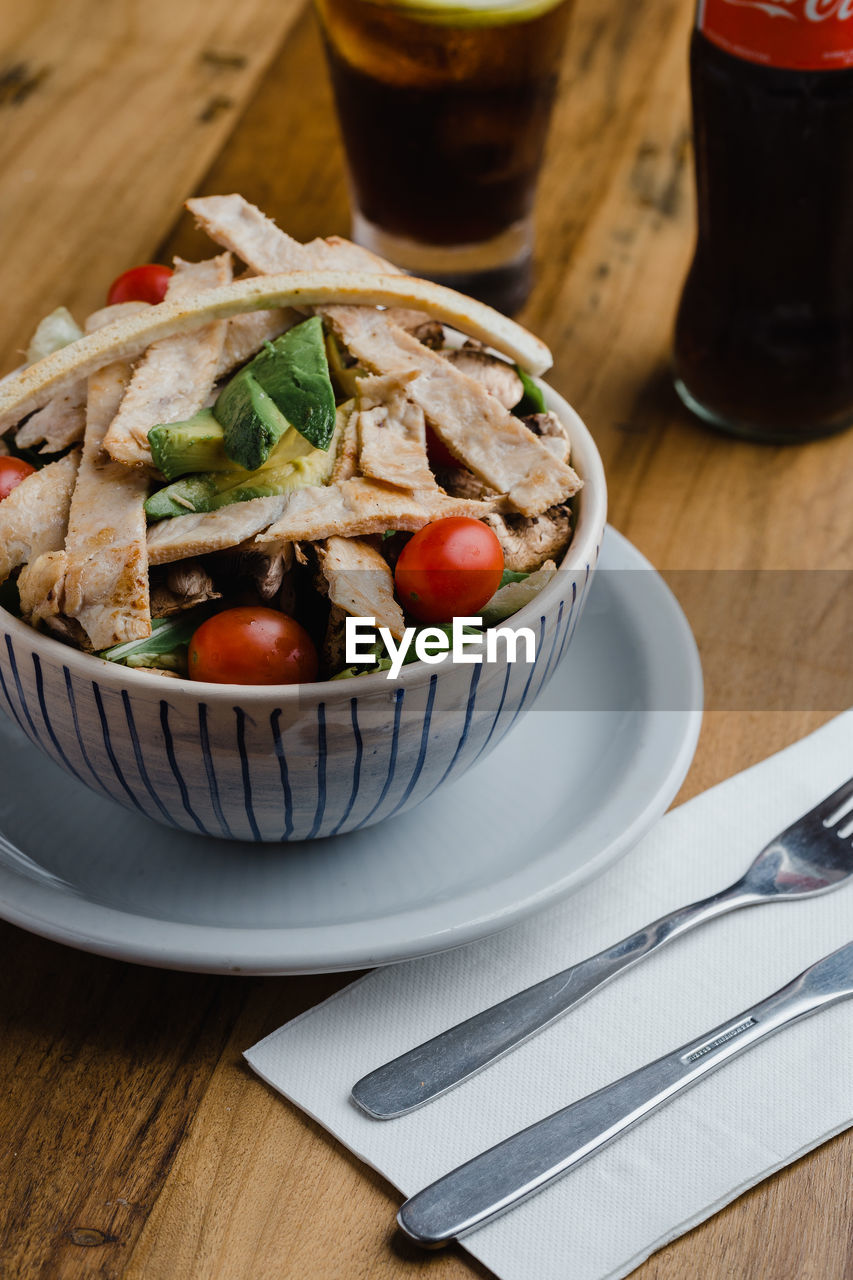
(292, 762)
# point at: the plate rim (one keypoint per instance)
(223, 949)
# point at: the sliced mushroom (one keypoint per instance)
(498, 377)
(462, 483)
(268, 571)
(68, 631)
(246, 565)
(529, 541)
(430, 333)
(180, 586)
(552, 433)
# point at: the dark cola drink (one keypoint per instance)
(764, 334)
(444, 109)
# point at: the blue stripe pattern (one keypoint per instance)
(246, 772)
(321, 771)
(17, 678)
(565, 641)
(12, 710)
(469, 711)
(392, 759)
(75, 719)
(571, 630)
(530, 673)
(548, 667)
(356, 769)
(46, 718)
(422, 752)
(275, 725)
(111, 755)
(169, 744)
(212, 784)
(140, 762)
(497, 714)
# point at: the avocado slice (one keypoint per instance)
(292, 464)
(344, 377)
(252, 423)
(286, 384)
(198, 444)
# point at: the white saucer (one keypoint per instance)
(574, 786)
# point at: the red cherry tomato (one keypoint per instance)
(147, 283)
(449, 569)
(252, 645)
(12, 472)
(440, 457)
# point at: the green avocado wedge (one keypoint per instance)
(287, 384)
(198, 444)
(292, 464)
(252, 424)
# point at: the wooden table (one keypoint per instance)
(134, 1141)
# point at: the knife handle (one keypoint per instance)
(497, 1179)
(431, 1068)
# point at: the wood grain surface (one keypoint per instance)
(135, 1142)
(110, 113)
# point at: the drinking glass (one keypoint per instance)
(444, 108)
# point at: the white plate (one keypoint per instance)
(578, 781)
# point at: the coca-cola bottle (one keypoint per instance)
(764, 334)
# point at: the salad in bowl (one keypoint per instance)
(207, 482)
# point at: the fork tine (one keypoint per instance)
(830, 809)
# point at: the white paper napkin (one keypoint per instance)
(754, 1115)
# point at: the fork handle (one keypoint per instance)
(498, 1178)
(431, 1068)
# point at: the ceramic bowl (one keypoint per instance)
(296, 762)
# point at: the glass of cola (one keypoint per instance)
(444, 107)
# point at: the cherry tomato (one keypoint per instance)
(252, 645)
(147, 283)
(12, 472)
(449, 569)
(440, 457)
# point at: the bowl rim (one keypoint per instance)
(591, 510)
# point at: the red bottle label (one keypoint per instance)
(808, 35)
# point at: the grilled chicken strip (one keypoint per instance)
(475, 426)
(360, 582)
(62, 421)
(34, 517)
(392, 434)
(106, 575)
(59, 424)
(200, 533)
(234, 223)
(175, 376)
(246, 334)
(360, 506)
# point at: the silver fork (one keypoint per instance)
(813, 855)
